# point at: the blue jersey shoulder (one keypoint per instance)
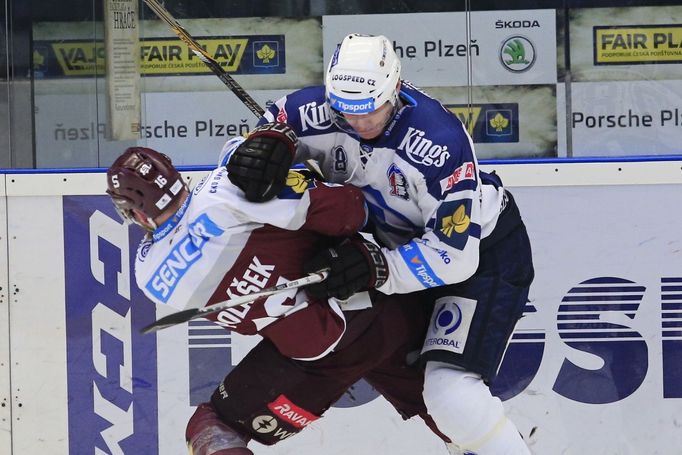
(306, 111)
(431, 138)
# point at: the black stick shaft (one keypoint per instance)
(200, 52)
(194, 313)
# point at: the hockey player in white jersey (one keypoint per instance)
(448, 230)
(209, 244)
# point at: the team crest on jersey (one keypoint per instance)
(143, 250)
(397, 182)
(422, 150)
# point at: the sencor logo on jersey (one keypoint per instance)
(464, 172)
(422, 150)
(186, 253)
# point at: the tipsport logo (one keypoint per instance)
(599, 317)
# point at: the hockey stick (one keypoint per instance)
(194, 313)
(200, 52)
(218, 70)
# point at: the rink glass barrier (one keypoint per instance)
(536, 80)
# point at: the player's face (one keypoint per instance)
(369, 126)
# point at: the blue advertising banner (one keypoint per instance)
(489, 123)
(111, 367)
(240, 54)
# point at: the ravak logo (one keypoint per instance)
(458, 222)
(187, 252)
(422, 150)
(290, 413)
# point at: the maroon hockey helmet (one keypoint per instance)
(143, 179)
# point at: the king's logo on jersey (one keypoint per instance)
(422, 150)
(314, 116)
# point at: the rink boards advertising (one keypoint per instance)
(593, 366)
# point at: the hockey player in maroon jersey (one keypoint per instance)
(209, 244)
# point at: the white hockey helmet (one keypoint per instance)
(363, 75)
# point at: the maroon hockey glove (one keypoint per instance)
(260, 165)
(355, 265)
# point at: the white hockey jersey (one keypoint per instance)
(429, 203)
(218, 246)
